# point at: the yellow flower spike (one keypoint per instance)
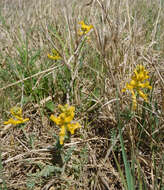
(55, 55)
(17, 113)
(137, 83)
(84, 28)
(72, 127)
(144, 96)
(80, 33)
(55, 52)
(64, 120)
(63, 108)
(15, 122)
(71, 109)
(147, 85)
(82, 22)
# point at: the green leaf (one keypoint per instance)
(48, 171)
(69, 154)
(50, 106)
(30, 184)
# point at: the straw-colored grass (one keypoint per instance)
(116, 147)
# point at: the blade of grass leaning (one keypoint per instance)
(128, 173)
(120, 172)
(139, 175)
(129, 176)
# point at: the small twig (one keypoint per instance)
(110, 101)
(159, 75)
(156, 23)
(22, 143)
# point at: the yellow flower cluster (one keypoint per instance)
(64, 120)
(84, 28)
(137, 83)
(17, 113)
(55, 55)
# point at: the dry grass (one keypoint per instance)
(90, 77)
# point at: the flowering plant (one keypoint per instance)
(138, 82)
(84, 28)
(55, 55)
(17, 113)
(64, 120)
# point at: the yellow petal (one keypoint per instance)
(18, 117)
(84, 28)
(129, 86)
(62, 134)
(144, 85)
(16, 111)
(71, 108)
(55, 52)
(62, 117)
(123, 90)
(61, 139)
(132, 83)
(60, 107)
(68, 119)
(144, 96)
(25, 120)
(15, 122)
(80, 33)
(81, 22)
(72, 127)
(56, 120)
(147, 85)
(56, 57)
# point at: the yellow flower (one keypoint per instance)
(72, 127)
(62, 134)
(17, 113)
(64, 120)
(66, 108)
(138, 82)
(55, 55)
(84, 28)
(15, 122)
(56, 120)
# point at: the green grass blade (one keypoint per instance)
(129, 176)
(120, 172)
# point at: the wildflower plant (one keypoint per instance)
(55, 55)
(65, 121)
(139, 81)
(16, 112)
(84, 28)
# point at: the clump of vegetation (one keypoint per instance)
(138, 81)
(64, 120)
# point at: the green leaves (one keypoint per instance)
(48, 170)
